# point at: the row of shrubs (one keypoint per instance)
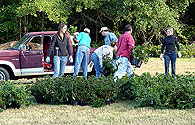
(76, 90)
(160, 91)
(157, 91)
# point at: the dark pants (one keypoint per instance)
(170, 56)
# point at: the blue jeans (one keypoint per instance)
(170, 56)
(82, 57)
(59, 65)
(95, 60)
(124, 66)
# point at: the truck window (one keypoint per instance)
(34, 44)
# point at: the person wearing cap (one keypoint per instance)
(83, 51)
(99, 53)
(108, 37)
(125, 46)
(60, 44)
(170, 54)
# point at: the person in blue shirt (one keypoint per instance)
(108, 37)
(83, 51)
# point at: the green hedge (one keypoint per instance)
(13, 95)
(95, 91)
(157, 91)
(160, 91)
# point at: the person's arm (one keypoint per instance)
(178, 48)
(69, 47)
(78, 38)
(51, 45)
(177, 44)
(131, 43)
(77, 41)
(163, 46)
(70, 40)
(162, 49)
(111, 53)
(113, 37)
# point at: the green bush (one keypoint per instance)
(46, 89)
(141, 53)
(13, 94)
(108, 64)
(74, 88)
(187, 51)
(161, 91)
(158, 91)
(153, 51)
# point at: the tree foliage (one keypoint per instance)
(149, 18)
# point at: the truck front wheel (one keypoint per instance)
(4, 74)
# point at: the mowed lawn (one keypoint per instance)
(119, 113)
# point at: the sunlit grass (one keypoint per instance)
(120, 113)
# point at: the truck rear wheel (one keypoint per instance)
(4, 74)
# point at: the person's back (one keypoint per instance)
(108, 37)
(83, 51)
(84, 39)
(125, 44)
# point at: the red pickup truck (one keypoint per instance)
(27, 57)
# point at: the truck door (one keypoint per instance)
(31, 56)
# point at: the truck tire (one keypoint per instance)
(4, 74)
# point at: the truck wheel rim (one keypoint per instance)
(2, 76)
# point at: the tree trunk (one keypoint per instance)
(96, 34)
(42, 21)
(20, 27)
(25, 25)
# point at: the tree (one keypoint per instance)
(148, 18)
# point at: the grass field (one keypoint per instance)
(119, 113)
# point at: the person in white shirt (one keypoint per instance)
(99, 53)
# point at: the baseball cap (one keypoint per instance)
(103, 28)
(87, 30)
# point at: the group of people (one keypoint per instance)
(124, 46)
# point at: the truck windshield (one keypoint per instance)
(21, 41)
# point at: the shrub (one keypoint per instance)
(187, 51)
(141, 53)
(75, 88)
(47, 89)
(153, 51)
(109, 68)
(13, 94)
(161, 91)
